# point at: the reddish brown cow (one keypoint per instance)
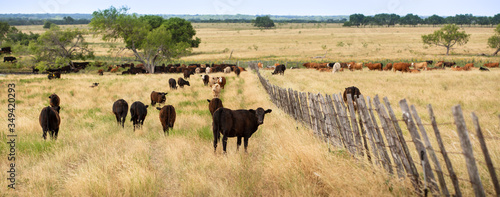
(374, 66)
(491, 65)
(401, 66)
(355, 66)
(222, 82)
(388, 66)
(214, 104)
(167, 118)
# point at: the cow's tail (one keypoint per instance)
(48, 118)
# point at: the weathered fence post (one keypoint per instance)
(354, 125)
(332, 119)
(344, 122)
(407, 117)
(338, 121)
(430, 151)
(314, 121)
(486, 153)
(447, 161)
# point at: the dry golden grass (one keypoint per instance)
(475, 91)
(95, 157)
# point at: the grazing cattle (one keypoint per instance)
(54, 75)
(167, 118)
(187, 73)
(483, 69)
(374, 66)
(181, 82)
(429, 62)
(387, 67)
(35, 70)
(491, 65)
(197, 70)
(49, 121)
(236, 123)
(205, 79)
(354, 92)
(212, 81)
(54, 100)
(456, 68)
(94, 85)
(9, 59)
(237, 71)
(259, 65)
(222, 82)
(449, 64)
(325, 70)
(414, 71)
(100, 72)
(421, 65)
(115, 68)
(214, 104)
(172, 83)
(207, 70)
(336, 67)
(279, 69)
(439, 64)
(401, 66)
(227, 70)
(120, 109)
(5, 50)
(138, 112)
(469, 66)
(216, 90)
(355, 66)
(158, 97)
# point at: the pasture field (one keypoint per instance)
(475, 91)
(301, 42)
(93, 156)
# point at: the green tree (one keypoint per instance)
(16, 36)
(410, 19)
(447, 37)
(434, 20)
(57, 46)
(356, 19)
(172, 39)
(263, 22)
(495, 20)
(47, 24)
(4, 29)
(68, 20)
(494, 41)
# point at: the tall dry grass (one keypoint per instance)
(475, 91)
(93, 156)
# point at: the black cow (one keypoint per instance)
(167, 117)
(9, 59)
(158, 97)
(35, 70)
(138, 112)
(206, 79)
(187, 72)
(483, 69)
(280, 69)
(54, 100)
(429, 62)
(49, 121)
(449, 64)
(181, 82)
(5, 50)
(214, 104)
(354, 92)
(54, 75)
(172, 83)
(120, 109)
(236, 123)
(237, 71)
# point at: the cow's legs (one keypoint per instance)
(246, 143)
(44, 134)
(123, 122)
(56, 131)
(224, 143)
(238, 144)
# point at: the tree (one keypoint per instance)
(356, 19)
(57, 46)
(263, 22)
(47, 24)
(410, 19)
(16, 36)
(446, 37)
(386, 19)
(172, 39)
(434, 20)
(4, 29)
(494, 41)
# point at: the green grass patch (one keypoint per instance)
(205, 133)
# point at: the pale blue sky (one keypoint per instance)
(258, 7)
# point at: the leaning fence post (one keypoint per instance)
(407, 117)
(354, 125)
(486, 153)
(467, 148)
(430, 150)
(447, 161)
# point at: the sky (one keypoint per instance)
(260, 7)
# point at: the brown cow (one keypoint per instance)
(374, 66)
(214, 104)
(401, 66)
(469, 66)
(167, 118)
(216, 90)
(49, 121)
(491, 65)
(100, 72)
(236, 123)
(157, 97)
(419, 66)
(222, 82)
(388, 66)
(355, 66)
(414, 71)
(237, 71)
(354, 92)
(259, 65)
(181, 82)
(205, 79)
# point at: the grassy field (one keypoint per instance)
(95, 157)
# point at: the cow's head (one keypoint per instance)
(259, 113)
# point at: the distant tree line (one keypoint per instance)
(67, 20)
(384, 19)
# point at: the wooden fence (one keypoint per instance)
(373, 132)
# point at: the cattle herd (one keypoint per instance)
(240, 123)
(414, 67)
